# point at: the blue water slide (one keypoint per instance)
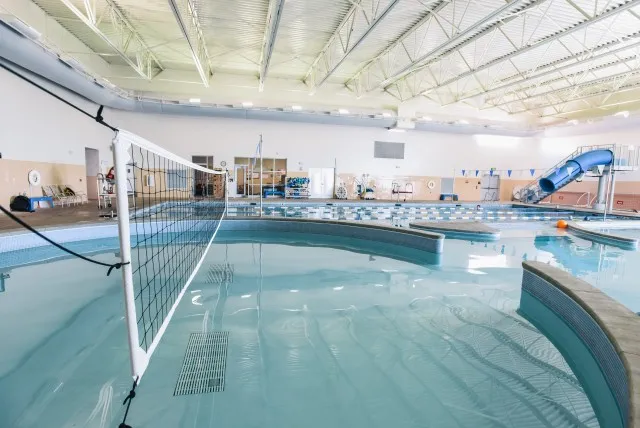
(573, 168)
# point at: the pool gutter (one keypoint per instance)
(603, 238)
(595, 334)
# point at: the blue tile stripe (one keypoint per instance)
(589, 332)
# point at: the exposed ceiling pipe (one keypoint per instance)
(18, 50)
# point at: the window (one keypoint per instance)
(177, 178)
(205, 161)
(384, 150)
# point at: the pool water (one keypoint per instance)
(318, 336)
(613, 270)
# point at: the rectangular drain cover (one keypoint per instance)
(220, 273)
(204, 365)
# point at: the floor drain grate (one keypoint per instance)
(204, 365)
(220, 273)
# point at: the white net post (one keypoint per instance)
(177, 210)
(137, 356)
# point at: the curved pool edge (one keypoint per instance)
(596, 335)
(417, 239)
(603, 238)
(27, 245)
(472, 231)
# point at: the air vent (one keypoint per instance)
(205, 364)
(385, 150)
(220, 273)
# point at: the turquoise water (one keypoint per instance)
(318, 336)
(613, 270)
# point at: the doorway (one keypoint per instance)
(321, 182)
(92, 166)
(490, 187)
(202, 186)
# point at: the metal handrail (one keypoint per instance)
(588, 197)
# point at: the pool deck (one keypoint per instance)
(57, 216)
(619, 324)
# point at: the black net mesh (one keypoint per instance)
(175, 215)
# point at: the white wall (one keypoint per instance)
(435, 154)
(318, 145)
(34, 126)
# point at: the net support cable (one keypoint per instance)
(177, 211)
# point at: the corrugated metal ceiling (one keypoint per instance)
(234, 32)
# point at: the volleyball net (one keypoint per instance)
(169, 211)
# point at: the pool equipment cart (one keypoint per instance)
(297, 187)
(602, 161)
(363, 189)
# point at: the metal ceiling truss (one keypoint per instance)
(588, 89)
(187, 19)
(407, 46)
(425, 81)
(271, 30)
(603, 105)
(357, 24)
(410, 52)
(572, 80)
(126, 42)
(538, 71)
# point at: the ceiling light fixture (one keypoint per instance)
(396, 130)
(343, 111)
(194, 100)
(463, 122)
(426, 118)
(247, 104)
(624, 114)
(296, 108)
(573, 122)
(386, 114)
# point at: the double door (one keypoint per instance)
(321, 183)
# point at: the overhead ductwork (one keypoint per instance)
(17, 49)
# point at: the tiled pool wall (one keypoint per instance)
(581, 340)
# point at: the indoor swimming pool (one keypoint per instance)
(320, 332)
(400, 212)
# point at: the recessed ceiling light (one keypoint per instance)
(624, 114)
(343, 111)
(194, 100)
(247, 104)
(296, 108)
(386, 114)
